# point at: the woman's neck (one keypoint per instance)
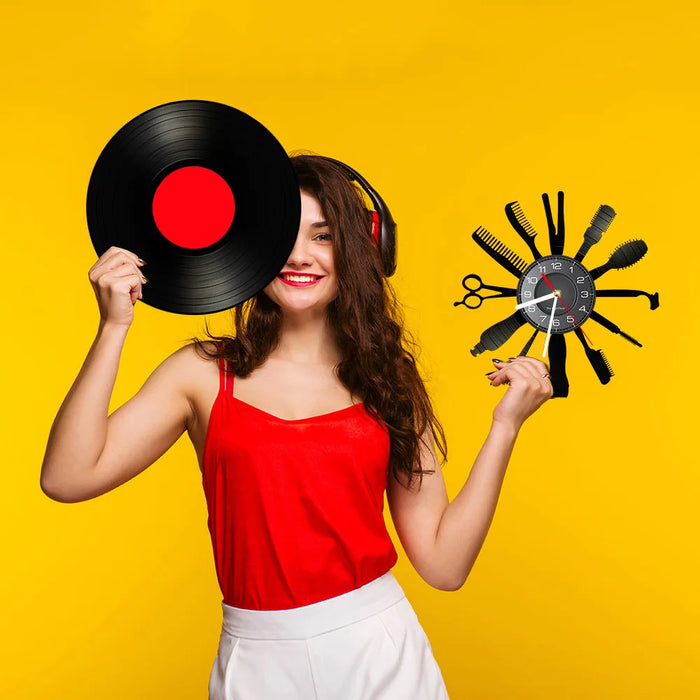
(306, 339)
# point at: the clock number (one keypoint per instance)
(531, 309)
(543, 317)
(584, 295)
(543, 268)
(569, 319)
(527, 293)
(571, 269)
(532, 280)
(579, 280)
(555, 323)
(582, 308)
(556, 266)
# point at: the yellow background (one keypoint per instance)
(587, 586)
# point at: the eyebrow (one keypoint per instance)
(319, 224)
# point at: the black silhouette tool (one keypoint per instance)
(599, 225)
(653, 298)
(623, 256)
(613, 328)
(598, 361)
(473, 285)
(503, 255)
(522, 227)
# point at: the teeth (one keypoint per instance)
(300, 278)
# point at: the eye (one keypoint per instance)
(324, 237)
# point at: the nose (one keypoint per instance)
(301, 254)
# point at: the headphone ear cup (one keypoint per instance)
(382, 225)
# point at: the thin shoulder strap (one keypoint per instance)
(225, 377)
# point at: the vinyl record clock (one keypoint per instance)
(556, 294)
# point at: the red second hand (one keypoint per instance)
(549, 284)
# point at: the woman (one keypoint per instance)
(300, 422)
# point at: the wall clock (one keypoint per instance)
(556, 294)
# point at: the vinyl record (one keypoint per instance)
(205, 195)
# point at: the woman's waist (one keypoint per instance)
(316, 618)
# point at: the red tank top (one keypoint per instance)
(295, 506)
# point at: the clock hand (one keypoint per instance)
(549, 328)
(549, 284)
(568, 311)
(536, 301)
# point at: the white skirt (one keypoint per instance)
(363, 645)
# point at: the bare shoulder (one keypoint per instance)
(190, 368)
(189, 361)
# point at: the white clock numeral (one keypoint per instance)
(532, 280)
(556, 266)
(543, 268)
(571, 268)
(584, 295)
(582, 308)
(542, 317)
(555, 323)
(527, 293)
(579, 280)
(569, 319)
(531, 309)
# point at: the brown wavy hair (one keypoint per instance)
(378, 355)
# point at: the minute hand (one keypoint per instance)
(536, 301)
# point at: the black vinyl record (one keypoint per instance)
(247, 217)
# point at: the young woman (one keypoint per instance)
(301, 420)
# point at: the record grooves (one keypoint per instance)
(212, 269)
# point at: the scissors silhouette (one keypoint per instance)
(473, 300)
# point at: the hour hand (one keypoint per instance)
(547, 297)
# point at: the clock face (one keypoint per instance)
(573, 284)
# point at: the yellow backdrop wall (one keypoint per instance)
(587, 586)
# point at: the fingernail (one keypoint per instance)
(499, 361)
(510, 359)
(143, 279)
(141, 262)
(488, 374)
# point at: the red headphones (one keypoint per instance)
(383, 226)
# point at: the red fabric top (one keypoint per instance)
(295, 506)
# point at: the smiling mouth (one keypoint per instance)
(299, 280)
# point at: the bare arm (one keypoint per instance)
(89, 452)
(79, 431)
(442, 539)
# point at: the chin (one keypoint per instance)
(301, 308)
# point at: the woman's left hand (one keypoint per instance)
(530, 387)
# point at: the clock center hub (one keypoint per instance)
(566, 282)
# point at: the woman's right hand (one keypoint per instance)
(117, 280)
